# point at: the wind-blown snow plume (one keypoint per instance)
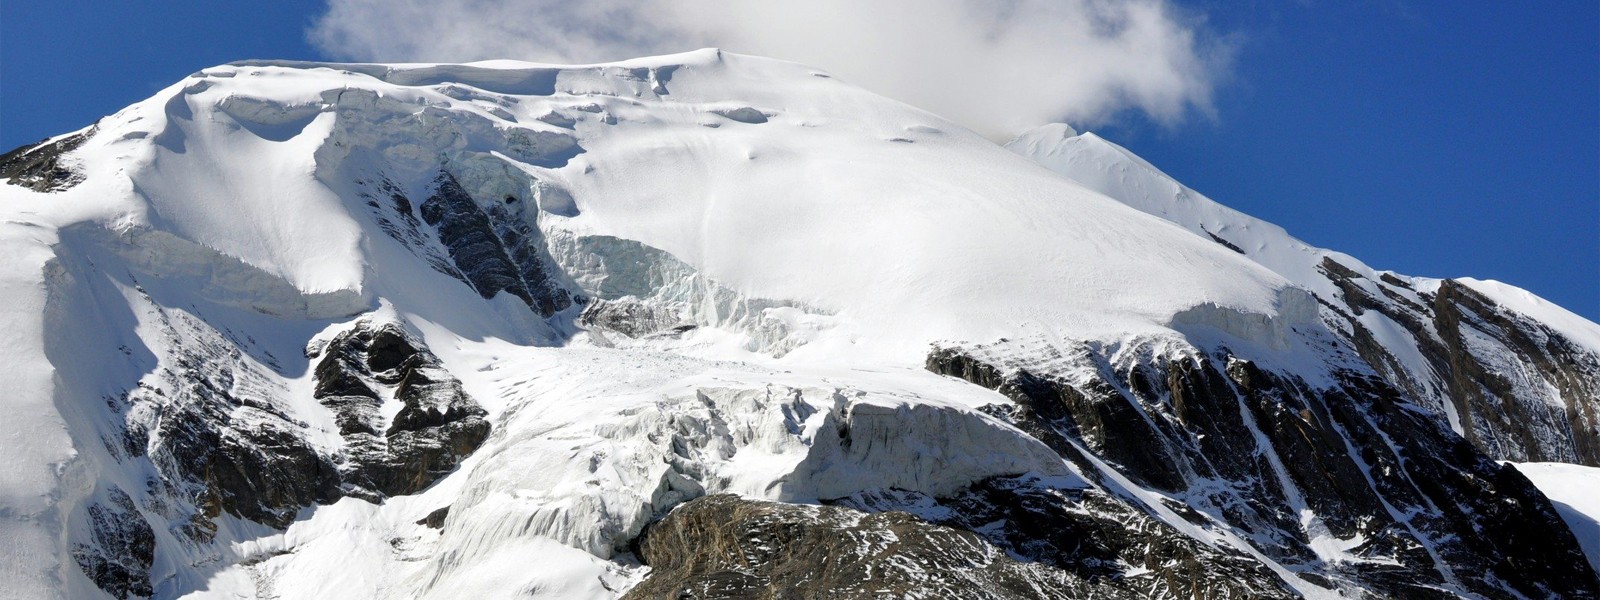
(997, 67)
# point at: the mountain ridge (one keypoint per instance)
(1401, 304)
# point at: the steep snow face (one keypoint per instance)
(1471, 351)
(1112, 170)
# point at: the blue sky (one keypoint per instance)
(1431, 138)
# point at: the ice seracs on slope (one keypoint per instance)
(443, 318)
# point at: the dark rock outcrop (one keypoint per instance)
(1096, 537)
(396, 216)
(1225, 243)
(436, 518)
(494, 251)
(265, 471)
(217, 441)
(1277, 460)
(40, 166)
(121, 549)
(722, 546)
(437, 425)
(1517, 389)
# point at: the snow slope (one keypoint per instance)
(1105, 167)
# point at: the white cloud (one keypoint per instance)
(997, 66)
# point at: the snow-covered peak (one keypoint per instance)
(766, 177)
(313, 329)
(1042, 139)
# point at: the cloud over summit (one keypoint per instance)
(998, 66)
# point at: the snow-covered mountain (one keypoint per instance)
(715, 326)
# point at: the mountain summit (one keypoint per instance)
(715, 326)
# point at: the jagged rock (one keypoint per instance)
(1357, 458)
(218, 442)
(465, 230)
(1225, 243)
(122, 549)
(1091, 535)
(1506, 422)
(265, 472)
(722, 546)
(1544, 406)
(1519, 385)
(437, 424)
(494, 254)
(396, 217)
(40, 167)
(525, 247)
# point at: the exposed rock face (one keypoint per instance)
(1411, 509)
(397, 217)
(1004, 538)
(43, 167)
(1118, 549)
(264, 472)
(436, 426)
(1515, 388)
(494, 251)
(121, 548)
(219, 443)
(723, 546)
(216, 435)
(210, 428)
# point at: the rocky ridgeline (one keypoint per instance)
(1234, 450)
(1517, 388)
(123, 548)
